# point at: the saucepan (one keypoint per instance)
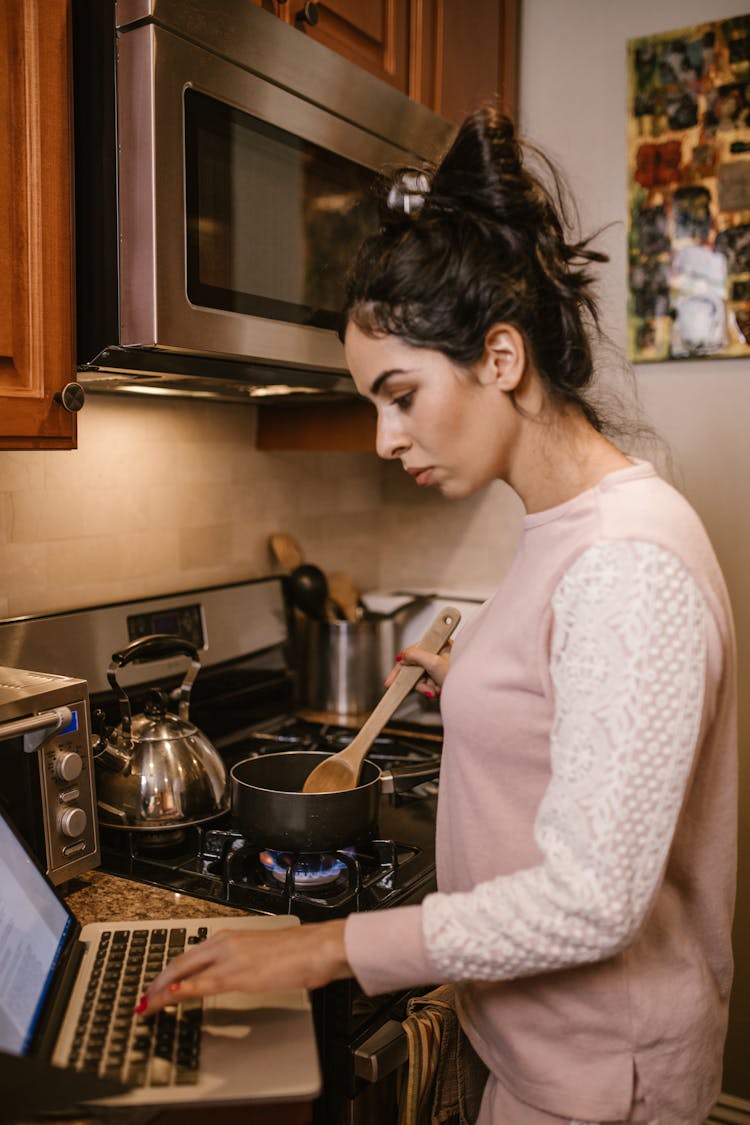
(267, 798)
(272, 811)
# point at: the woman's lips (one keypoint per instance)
(421, 476)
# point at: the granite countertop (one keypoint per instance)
(98, 897)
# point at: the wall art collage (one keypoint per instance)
(689, 192)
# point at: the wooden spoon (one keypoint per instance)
(341, 771)
(345, 594)
(286, 551)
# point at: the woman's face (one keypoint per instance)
(450, 428)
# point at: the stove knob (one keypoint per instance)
(73, 822)
(68, 766)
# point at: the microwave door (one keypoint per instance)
(241, 205)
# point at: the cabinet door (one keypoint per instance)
(36, 232)
(374, 34)
(449, 55)
(464, 54)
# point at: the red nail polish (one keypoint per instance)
(429, 694)
(141, 1005)
(399, 656)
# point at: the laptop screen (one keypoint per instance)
(34, 924)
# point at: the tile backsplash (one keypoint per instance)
(166, 495)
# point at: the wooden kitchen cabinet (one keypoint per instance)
(37, 356)
(347, 427)
(464, 54)
(449, 55)
(374, 34)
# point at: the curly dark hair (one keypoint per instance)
(481, 239)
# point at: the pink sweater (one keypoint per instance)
(586, 836)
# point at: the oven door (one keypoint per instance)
(364, 1054)
(379, 1064)
(248, 199)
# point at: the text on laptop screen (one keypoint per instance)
(33, 927)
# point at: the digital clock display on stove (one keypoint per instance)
(184, 621)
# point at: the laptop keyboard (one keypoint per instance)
(110, 1039)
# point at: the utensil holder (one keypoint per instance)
(345, 664)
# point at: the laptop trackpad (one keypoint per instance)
(269, 1052)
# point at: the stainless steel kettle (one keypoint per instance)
(156, 770)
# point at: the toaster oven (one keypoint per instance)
(47, 784)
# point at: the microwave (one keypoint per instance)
(223, 172)
(48, 787)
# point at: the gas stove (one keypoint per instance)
(246, 701)
(216, 862)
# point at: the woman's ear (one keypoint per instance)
(504, 359)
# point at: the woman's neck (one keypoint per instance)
(560, 459)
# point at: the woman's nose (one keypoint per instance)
(391, 440)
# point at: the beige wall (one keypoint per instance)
(165, 495)
(573, 98)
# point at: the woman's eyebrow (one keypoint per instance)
(383, 376)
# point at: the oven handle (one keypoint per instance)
(382, 1053)
(44, 721)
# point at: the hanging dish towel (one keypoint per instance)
(445, 1077)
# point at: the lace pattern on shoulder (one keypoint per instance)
(628, 669)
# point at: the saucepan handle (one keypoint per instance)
(404, 778)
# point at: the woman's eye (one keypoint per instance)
(404, 401)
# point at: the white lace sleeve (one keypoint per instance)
(628, 669)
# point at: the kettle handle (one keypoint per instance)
(155, 646)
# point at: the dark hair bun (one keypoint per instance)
(484, 153)
(481, 239)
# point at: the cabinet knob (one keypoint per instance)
(71, 397)
(307, 14)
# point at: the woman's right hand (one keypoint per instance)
(435, 666)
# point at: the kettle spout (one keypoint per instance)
(109, 753)
(113, 758)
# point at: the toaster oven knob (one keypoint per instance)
(73, 822)
(68, 766)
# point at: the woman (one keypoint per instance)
(586, 820)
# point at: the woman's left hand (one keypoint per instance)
(252, 961)
(435, 666)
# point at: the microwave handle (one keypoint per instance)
(36, 727)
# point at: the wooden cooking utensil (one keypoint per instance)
(341, 771)
(286, 550)
(345, 594)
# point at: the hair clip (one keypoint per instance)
(408, 194)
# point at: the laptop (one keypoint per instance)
(67, 996)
